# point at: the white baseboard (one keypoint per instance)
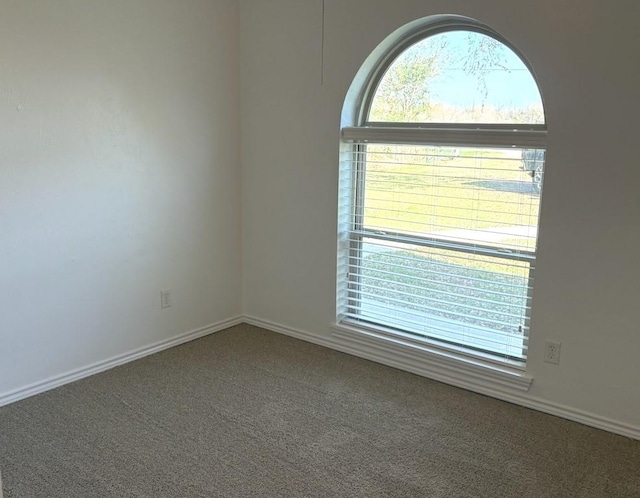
(101, 366)
(389, 358)
(395, 359)
(298, 334)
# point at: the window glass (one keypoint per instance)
(457, 77)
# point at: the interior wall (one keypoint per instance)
(586, 290)
(119, 177)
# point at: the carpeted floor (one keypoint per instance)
(247, 412)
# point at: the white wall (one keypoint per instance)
(119, 176)
(587, 289)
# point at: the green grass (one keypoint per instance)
(408, 189)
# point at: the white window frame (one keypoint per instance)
(455, 364)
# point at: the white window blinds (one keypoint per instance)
(439, 241)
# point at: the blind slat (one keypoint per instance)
(448, 294)
(395, 298)
(487, 138)
(431, 328)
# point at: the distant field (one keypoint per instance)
(415, 189)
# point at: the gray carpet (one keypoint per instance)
(247, 412)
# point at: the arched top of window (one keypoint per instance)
(457, 73)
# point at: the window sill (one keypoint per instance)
(423, 358)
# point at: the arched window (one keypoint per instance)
(443, 152)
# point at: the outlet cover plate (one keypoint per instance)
(165, 299)
(552, 352)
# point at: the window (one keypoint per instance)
(441, 181)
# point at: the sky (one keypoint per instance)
(509, 82)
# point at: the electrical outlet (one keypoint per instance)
(552, 352)
(165, 299)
